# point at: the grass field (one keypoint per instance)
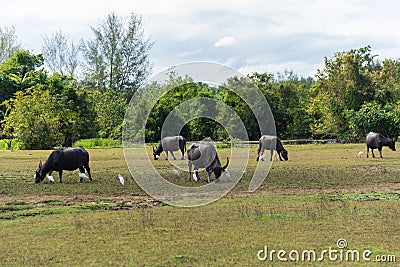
(323, 193)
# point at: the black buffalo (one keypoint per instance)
(68, 159)
(204, 155)
(376, 140)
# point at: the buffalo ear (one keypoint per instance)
(40, 164)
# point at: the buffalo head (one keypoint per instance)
(155, 154)
(39, 175)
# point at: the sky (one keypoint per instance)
(249, 35)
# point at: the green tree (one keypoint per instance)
(181, 90)
(288, 98)
(372, 117)
(109, 109)
(40, 120)
(240, 106)
(387, 82)
(345, 83)
(117, 57)
(65, 89)
(19, 72)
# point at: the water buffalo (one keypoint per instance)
(68, 159)
(170, 144)
(204, 155)
(376, 140)
(271, 143)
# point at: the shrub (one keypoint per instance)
(372, 117)
(11, 144)
(98, 143)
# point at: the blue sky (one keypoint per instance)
(264, 36)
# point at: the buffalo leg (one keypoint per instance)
(272, 154)
(367, 151)
(190, 169)
(88, 171)
(183, 154)
(208, 176)
(279, 154)
(372, 151)
(60, 174)
(166, 153)
(173, 156)
(380, 152)
(258, 151)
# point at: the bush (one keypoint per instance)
(97, 143)
(11, 144)
(372, 117)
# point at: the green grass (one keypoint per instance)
(309, 166)
(323, 193)
(220, 234)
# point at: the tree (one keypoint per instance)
(117, 56)
(19, 72)
(109, 109)
(287, 96)
(240, 106)
(64, 89)
(347, 77)
(344, 84)
(40, 120)
(60, 54)
(50, 113)
(387, 82)
(8, 42)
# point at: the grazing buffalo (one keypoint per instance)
(271, 143)
(169, 144)
(376, 140)
(204, 155)
(68, 159)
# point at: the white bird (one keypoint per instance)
(195, 177)
(176, 172)
(51, 179)
(360, 154)
(121, 179)
(227, 174)
(82, 175)
(262, 157)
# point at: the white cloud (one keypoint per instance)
(281, 35)
(226, 41)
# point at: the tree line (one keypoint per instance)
(77, 91)
(352, 95)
